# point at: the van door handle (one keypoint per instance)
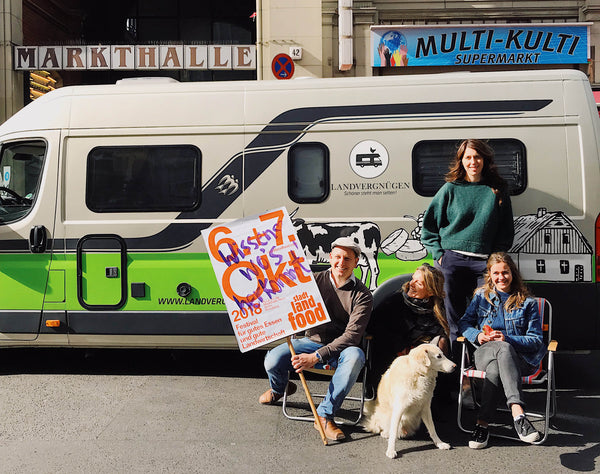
(38, 239)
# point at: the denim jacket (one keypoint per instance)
(522, 327)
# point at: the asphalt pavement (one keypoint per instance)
(73, 411)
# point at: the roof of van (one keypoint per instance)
(143, 104)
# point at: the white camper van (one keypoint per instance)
(105, 190)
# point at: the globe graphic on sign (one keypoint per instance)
(393, 40)
(393, 49)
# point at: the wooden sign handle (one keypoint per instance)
(308, 396)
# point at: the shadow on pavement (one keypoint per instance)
(193, 362)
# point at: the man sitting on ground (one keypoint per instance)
(336, 343)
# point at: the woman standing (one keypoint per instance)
(511, 347)
(469, 218)
(409, 317)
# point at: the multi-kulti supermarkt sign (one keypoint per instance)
(456, 45)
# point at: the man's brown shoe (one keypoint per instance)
(331, 429)
(270, 397)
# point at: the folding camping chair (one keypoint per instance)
(327, 370)
(543, 378)
(367, 393)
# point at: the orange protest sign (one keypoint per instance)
(268, 288)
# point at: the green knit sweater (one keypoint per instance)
(468, 217)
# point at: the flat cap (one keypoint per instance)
(346, 242)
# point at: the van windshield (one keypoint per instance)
(21, 165)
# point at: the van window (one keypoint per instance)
(431, 160)
(308, 172)
(21, 164)
(143, 178)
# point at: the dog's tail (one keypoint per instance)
(370, 421)
(369, 407)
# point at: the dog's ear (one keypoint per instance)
(435, 341)
(426, 359)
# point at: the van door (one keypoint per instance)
(27, 207)
(101, 271)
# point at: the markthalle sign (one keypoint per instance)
(455, 45)
(130, 57)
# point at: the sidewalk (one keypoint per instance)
(198, 411)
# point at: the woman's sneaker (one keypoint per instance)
(525, 430)
(479, 437)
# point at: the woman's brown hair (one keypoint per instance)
(489, 174)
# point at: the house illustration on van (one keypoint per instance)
(549, 247)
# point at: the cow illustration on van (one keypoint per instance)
(316, 239)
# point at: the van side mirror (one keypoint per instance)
(38, 239)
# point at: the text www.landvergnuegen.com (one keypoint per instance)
(188, 301)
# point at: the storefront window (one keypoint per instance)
(138, 23)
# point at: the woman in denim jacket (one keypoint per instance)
(504, 324)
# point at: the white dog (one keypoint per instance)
(404, 396)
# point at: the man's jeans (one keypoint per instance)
(348, 364)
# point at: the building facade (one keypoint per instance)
(288, 39)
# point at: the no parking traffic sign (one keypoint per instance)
(282, 66)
